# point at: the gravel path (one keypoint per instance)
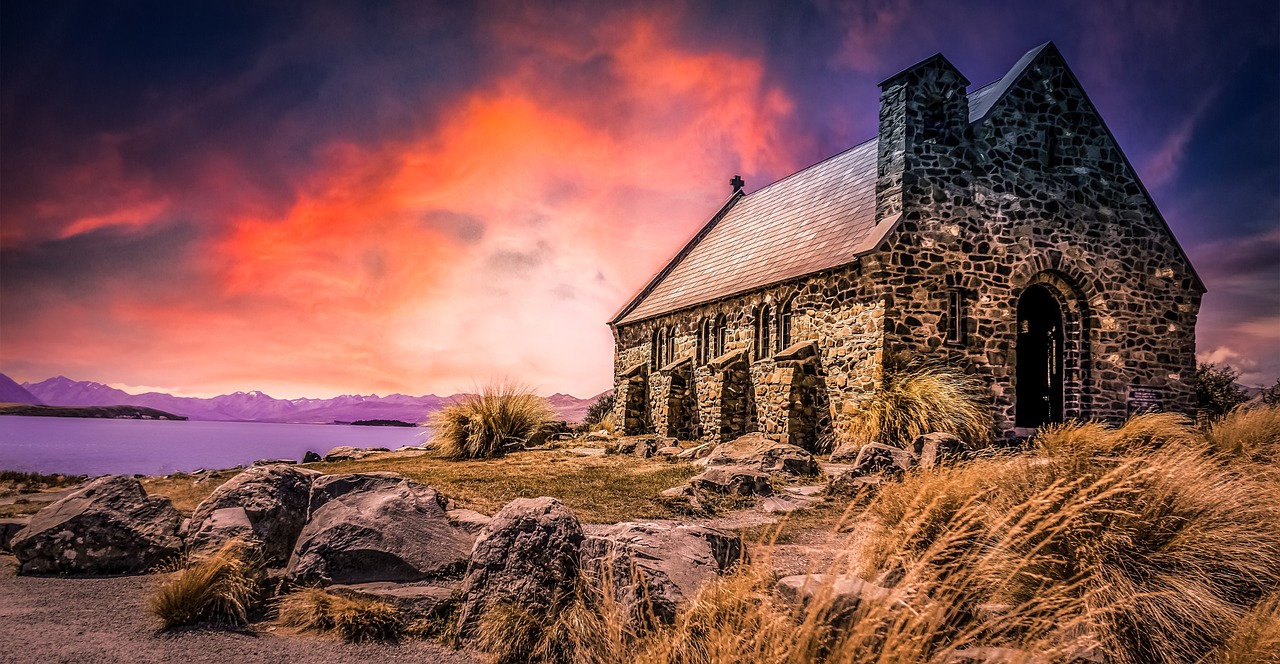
(103, 619)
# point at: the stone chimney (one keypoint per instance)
(924, 114)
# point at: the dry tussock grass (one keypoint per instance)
(1142, 541)
(916, 399)
(355, 620)
(220, 589)
(485, 424)
(1251, 433)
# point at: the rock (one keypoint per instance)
(806, 490)
(877, 458)
(598, 436)
(645, 447)
(587, 451)
(376, 527)
(787, 503)
(311, 457)
(994, 656)
(695, 452)
(527, 557)
(342, 453)
(653, 568)
(845, 593)
(735, 480)
(670, 451)
(846, 452)
(109, 526)
(937, 447)
(274, 462)
(414, 601)
(764, 454)
(274, 501)
(850, 483)
(9, 528)
(682, 498)
(468, 520)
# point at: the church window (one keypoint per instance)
(764, 340)
(955, 317)
(705, 332)
(784, 325)
(718, 336)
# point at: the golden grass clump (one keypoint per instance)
(486, 424)
(1257, 636)
(355, 620)
(220, 589)
(587, 628)
(914, 399)
(1248, 433)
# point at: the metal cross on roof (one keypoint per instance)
(738, 183)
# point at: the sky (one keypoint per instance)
(313, 199)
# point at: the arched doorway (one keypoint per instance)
(1039, 356)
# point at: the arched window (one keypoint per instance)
(660, 348)
(763, 325)
(784, 325)
(718, 336)
(669, 355)
(654, 350)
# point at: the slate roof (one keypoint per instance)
(816, 219)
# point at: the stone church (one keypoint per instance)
(1000, 229)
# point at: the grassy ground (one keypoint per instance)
(599, 489)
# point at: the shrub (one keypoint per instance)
(586, 629)
(1249, 433)
(484, 425)
(915, 399)
(601, 410)
(220, 589)
(355, 620)
(1216, 389)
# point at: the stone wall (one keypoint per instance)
(801, 402)
(1039, 193)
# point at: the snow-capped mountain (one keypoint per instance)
(258, 407)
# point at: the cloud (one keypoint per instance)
(1163, 166)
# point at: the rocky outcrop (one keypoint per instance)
(311, 457)
(846, 452)
(376, 527)
(468, 520)
(342, 453)
(876, 458)
(696, 452)
(733, 480)
(526, 557)
(272, 502)
(109, 526)
(764, 454)
(934, 448)
(653, 568)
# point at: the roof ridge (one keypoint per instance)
(813, 165)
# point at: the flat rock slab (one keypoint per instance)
(787, 503)
(807, 490)
(415, 601)
(468, 520)
(587, 451)
(763, 454)
(733, 480)
(377, 527)
(845, 593)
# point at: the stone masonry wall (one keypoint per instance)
(785, 402)
(1036, 194)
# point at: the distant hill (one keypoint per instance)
(100, 412)
(259, 407)
(12, 392)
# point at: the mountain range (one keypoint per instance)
(256, 406)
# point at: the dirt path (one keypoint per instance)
(48, 619)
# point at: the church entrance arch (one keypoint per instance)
(1040, 358)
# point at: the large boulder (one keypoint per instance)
(842, 594)
(272, 503)
(376, 527)
(654, 568)
(733, 480)
(763, 454)
(846, 452)
(934, 448)
(876, 458)
(527, 557)
(110, 526)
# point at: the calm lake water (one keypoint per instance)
(82, 446)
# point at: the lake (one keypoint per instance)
(84, 446)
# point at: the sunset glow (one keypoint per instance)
(325, 201)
